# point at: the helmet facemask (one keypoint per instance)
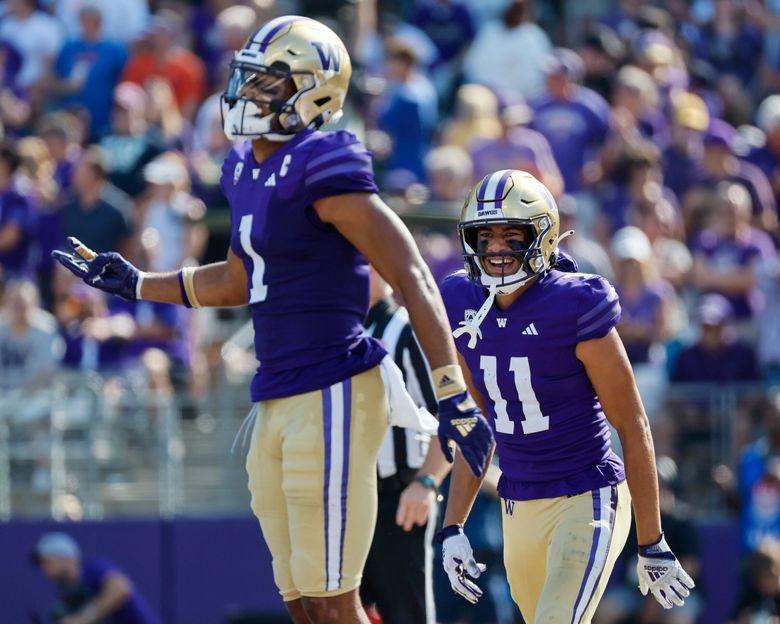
(528, 254)
(254, 89)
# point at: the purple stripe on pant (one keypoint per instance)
(326, 426)
(347, 389)
(594, 547)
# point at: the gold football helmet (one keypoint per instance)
(285, 50)
(510, 197)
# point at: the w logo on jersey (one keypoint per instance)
(509, 507)
(329, 55)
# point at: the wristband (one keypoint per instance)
(448, 381)
(183, 291)
(141, 276)
(427, 481)
(448, 531)
(188, 281)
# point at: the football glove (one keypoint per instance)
(458, 560)
(660, 573)
(109, 272)
(461, 421)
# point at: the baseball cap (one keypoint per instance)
(720, 133)
(631, 243)
(690, 111)
(714, 309)
(55, 545)
(565, 61)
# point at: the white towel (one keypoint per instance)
(403, 410)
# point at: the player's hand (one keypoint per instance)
(108, 272)
(414, 505)
(459, 562)
(461, 421)
(661, 574)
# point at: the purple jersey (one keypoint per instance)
(551, 433)
(308, 285)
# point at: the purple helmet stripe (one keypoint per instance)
(500, 189)
(483, 188)
(269, 37)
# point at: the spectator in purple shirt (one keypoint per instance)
(518, 147)
(90, 590)
(683, 155)
(730, 42)
(717, 356)
(726, 254)
(572, 118)
(15, 215)
(720, 163)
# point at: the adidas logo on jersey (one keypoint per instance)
(464, 425)
(530, 330)
(271, 181)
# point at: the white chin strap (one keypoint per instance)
(242, 121)
(472, 327)
(495, 287)
(489, 281)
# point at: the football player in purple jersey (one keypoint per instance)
(538, 345)
(305, 218)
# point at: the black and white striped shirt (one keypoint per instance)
(389, 323)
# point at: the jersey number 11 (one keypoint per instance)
(534, 421)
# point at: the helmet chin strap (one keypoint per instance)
(241, 122)
(472, 327)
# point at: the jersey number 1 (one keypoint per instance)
(534, 421)
(258, 291)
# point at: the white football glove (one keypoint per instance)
(458, 560)
(660, 573)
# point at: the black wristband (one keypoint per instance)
(449, 531)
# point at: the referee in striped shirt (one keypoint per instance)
(398, 573)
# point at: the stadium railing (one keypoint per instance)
(85, 448)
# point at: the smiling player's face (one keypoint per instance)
(502, 239)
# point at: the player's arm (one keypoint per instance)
(114, 592)
(221, 284)
(610, 373)
(457, 556)
(464, 485)
(380, 235)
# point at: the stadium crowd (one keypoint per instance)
(655, 125)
